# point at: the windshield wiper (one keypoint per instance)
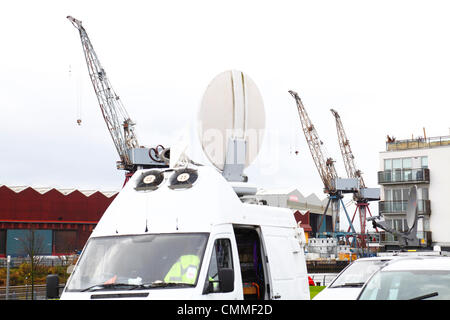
(161, 284)
(426, 296)
(107, 286)
(349, 285)
(155, 284)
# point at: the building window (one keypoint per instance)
(406, 163)
(424, 162)
(423, 193)
(402, 194)
(397, 224)
(426, 224)
(65, 241)
(23, 242)
(396, 163)
(2, 242)
(388, 164)
(397, 195)
(387, 194)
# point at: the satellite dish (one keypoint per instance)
(231, 120)
(411, 209)
(409, 237)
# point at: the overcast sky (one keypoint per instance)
(383, 65)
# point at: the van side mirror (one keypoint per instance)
(226, 276)
(52, 286)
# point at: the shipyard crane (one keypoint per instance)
(325, 166)
(346, 151)
(363, 195)
(121, 127)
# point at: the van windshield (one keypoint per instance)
(139, 261)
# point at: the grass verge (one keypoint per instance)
(313, 290)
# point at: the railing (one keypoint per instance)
(24, 292)
(418, 143)
(423, 207)
(322, 279)
(50, 261)
(421, 175)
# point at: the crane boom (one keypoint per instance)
(362, 205)
(346, 151)
(325, 166)
(119, 124)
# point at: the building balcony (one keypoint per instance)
(396, 207)
(399, 176)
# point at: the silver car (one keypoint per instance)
(348, 283)
(410, 279)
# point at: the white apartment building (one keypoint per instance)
(424, 162)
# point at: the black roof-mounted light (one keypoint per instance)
(183, 178)
(150, 180)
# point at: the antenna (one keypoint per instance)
(411, 210)
(231, 123)
(406, 238)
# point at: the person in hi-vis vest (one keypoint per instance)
(184, 270)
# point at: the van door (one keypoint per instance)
(252, 260)
(222, 257)
(286, 264)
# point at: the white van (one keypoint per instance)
(185, 234)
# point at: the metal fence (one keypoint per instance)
(322, 279)
(50, 261)
(24, 292)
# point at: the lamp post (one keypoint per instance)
(8, 261)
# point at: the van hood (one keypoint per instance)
(338, 294)
(154, 294)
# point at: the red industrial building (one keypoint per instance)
(63, 218)
(303, 218)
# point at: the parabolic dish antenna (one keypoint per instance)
(231, 120)
(411, 209)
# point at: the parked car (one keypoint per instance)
(348, 283)
(414, 278)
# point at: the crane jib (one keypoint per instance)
(116, 117)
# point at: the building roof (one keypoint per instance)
(295, 199)
(312, 199)
(64, 191)
(417, 143)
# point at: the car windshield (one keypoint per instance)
(408, 285)
(139, 261)
(357, 273)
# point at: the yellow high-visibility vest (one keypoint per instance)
(184, 270)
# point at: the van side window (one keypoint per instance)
(221, 258)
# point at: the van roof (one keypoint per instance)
(210, 201)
